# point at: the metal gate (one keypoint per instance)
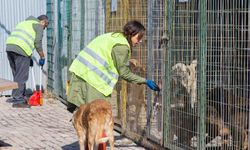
(72, 25)
(209, 68)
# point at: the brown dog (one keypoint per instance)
(136, 103)
(246, 145)
(91, 120)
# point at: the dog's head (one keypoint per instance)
(136, 67)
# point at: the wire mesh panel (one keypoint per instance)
(228, 70)
(131, 104)
(135, 102)
(76, 22)
(93, 20)
(226, 65)
(59, 45)
(76, 27)
(156, 64)
(184, 49)
(63, 55)
(50, 31)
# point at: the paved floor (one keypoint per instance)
(43, 128)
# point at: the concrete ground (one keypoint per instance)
(44, 127)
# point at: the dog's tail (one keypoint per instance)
(103, 140)
(108, 122)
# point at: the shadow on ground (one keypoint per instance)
(72, 146)
(3, 144)
(75, 145)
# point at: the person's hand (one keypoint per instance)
(41, 61)
(31, 63)
(152, 85)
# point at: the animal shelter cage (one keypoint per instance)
(135, 114)
(209, 57)
(197, 51)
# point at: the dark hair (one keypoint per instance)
(132, 28)
(42, 17)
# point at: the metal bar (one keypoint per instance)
(150, 64)
(248, 73)
(124, 105)
(69, 35)
(50, 45)
(202, 76)
(166, 103)
(59, 45)
(82, 24)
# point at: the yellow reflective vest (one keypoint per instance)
(24, 36)
(94, 63)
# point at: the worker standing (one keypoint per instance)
(96, 69)
(26, 37)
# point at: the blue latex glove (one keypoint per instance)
(41, 61)
(152, 85)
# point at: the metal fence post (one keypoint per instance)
(166, 106)
(149, 70)
(50, 45)
(202, 76)
(69, 34)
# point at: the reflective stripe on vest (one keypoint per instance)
(94, 63)
(101, 61)
(23, 36)
(96, 70)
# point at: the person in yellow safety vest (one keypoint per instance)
(96, 69)
(26, 37)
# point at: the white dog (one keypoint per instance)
(188, 78)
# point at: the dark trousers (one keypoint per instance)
(20, 69)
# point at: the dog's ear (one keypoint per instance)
(133, 62)
(82, 109)
(188, 70)
(133, 65)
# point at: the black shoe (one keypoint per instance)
(21, 105)
(71, 107)
(14, 100)
(11, 100)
